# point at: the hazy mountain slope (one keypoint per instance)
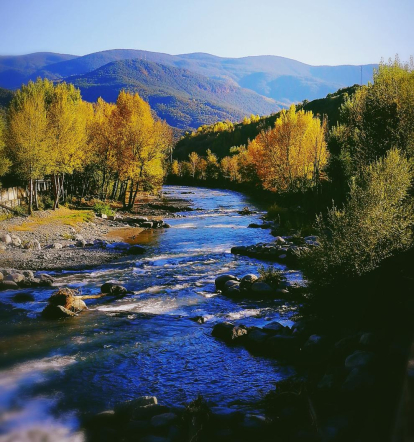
(183, 98)
(280, 78)
(16, 69)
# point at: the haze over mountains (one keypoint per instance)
(191, 89)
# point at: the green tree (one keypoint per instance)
(375, 222)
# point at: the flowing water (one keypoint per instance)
(144, 344)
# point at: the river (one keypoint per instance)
(51, 373)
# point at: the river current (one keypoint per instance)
(146, 343)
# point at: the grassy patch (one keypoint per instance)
(63, 216)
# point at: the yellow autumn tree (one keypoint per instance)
(102, 144)
(292, 155)
(27, 137)
(142, 145)
(193, 160)
(67, 119)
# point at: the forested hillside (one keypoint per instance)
(221, 137)
(184, 99)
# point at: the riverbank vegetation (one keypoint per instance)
(84, 149)
(354, 177)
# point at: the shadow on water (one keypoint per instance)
(145, 343)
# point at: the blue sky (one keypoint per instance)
(312, 31)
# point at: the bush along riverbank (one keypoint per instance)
(349, 346)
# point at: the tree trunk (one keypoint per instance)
(131, 194)
(115, 189)
(30, 196)
(135, 195)
(36, 196)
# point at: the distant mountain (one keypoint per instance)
(17, 69)
(185, 99)
(281, 79)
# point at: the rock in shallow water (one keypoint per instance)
(63, 303)
(222, 279)
(229, 332)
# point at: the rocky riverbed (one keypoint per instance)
(53, 240)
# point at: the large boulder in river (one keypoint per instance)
(247, 281)
(229, 332)
(222, 279)
(63, 303)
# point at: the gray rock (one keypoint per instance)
(198, 319)
(261, 288)
(359, 359)
(33, 244)
(6, 238)
(28, 274)
(233, 292)
(247, 281)
(17, 278)
(222, 279)
(57, 245)
(163, 420)
(81, 243)
(16, 241)
(46, 280)
(78, 237)
(111, 288)
(229, 332)
(230, 285)
(226, 415)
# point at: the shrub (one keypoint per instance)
(101, 208)
(45, 202)
(375, 222)
(270, 275)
